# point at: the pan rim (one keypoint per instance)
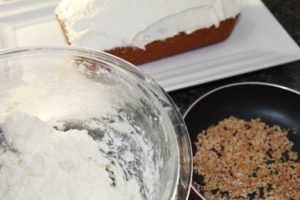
(274, 85)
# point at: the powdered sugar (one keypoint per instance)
(53, 164)
(76, 130)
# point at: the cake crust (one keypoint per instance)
(177, 44)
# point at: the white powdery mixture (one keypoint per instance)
(38, 161)
(50, 164)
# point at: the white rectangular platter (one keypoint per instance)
(257, 42)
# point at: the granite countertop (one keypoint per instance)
(288, 14)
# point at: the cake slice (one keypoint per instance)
(143, 31)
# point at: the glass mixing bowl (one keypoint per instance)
(137, 125)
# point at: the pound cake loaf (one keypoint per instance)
(141, 31)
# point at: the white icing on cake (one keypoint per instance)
(107, 24)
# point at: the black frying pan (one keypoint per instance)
(271, 103)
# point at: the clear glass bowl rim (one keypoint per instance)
(185, 170)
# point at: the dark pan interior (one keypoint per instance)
(272, 104)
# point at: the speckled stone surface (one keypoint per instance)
(288, 14)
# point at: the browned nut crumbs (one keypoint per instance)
(240, 159)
